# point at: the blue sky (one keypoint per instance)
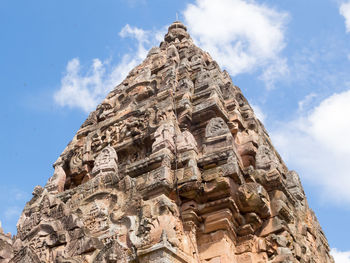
(58, 59)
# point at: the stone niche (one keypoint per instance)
(217, 136)
(106, 162)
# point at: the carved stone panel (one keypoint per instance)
(216, 127)
(164, 137)
(106, 162)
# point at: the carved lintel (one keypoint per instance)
(163, 252)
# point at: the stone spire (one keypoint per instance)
(172, 166)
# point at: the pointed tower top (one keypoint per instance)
(177, 24)
(176, 30)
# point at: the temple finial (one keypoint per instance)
(176, 30)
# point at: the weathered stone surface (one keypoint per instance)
(173, 166)
(6, 249)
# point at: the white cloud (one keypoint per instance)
(20, 195)
(135, 3)
(345, 12)
(138, 33)
(12, 212)
(340, 257)
(274, 71)
(320, 66)
(306, 101)
(258, 112)
(241, 34)
(317, 145)
(85, 90)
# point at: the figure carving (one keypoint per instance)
(57, 181)
(106, 162)
(216, 127)
(186, 141)
(164, 137)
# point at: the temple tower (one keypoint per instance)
(173, 166)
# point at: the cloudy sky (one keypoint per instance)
(58, 59)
